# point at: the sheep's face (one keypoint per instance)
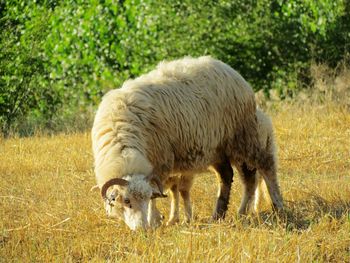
(129, 200)
(130, 206)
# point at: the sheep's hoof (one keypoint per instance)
(242, 212)
(218, 216)
(278, 208)
(186, 222)
(156, 220)
(172, 222)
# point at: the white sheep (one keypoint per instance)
(252, 181)
(182, 117)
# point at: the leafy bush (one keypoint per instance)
(23, 71)
(60, 57)
(335, 44)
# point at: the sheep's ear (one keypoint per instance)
(157, 194)
(157, 188)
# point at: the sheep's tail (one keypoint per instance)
(261, 193)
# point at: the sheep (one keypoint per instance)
(252, 181)
(182, 117)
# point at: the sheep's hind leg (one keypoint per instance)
(259, 193)
(249, 180)
(185, 194)
(174, 210)
(225, 173)
(271, 181)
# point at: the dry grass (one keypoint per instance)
(48, 214)
(328, 85)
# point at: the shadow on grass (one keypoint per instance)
(301, 214)
(297, 216)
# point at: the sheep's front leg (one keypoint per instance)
(225, 172)
(154, 216)
(174, 210)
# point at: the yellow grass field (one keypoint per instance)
(48, 214)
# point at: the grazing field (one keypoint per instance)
(48, 214)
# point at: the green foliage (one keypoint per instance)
(335, 45)
(23, 71)
(59, 57)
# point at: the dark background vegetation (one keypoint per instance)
(57, 58)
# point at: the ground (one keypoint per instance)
(47, 212)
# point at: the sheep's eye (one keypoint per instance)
(112, 198)
(127, 201)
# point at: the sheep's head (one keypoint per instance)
(127, 198)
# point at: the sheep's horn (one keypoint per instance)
(114, 181)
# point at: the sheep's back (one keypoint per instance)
(181, 112)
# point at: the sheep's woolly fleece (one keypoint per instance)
(266, 134)
(178, 182)
(179, 117)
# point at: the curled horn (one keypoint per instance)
(114, 181)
